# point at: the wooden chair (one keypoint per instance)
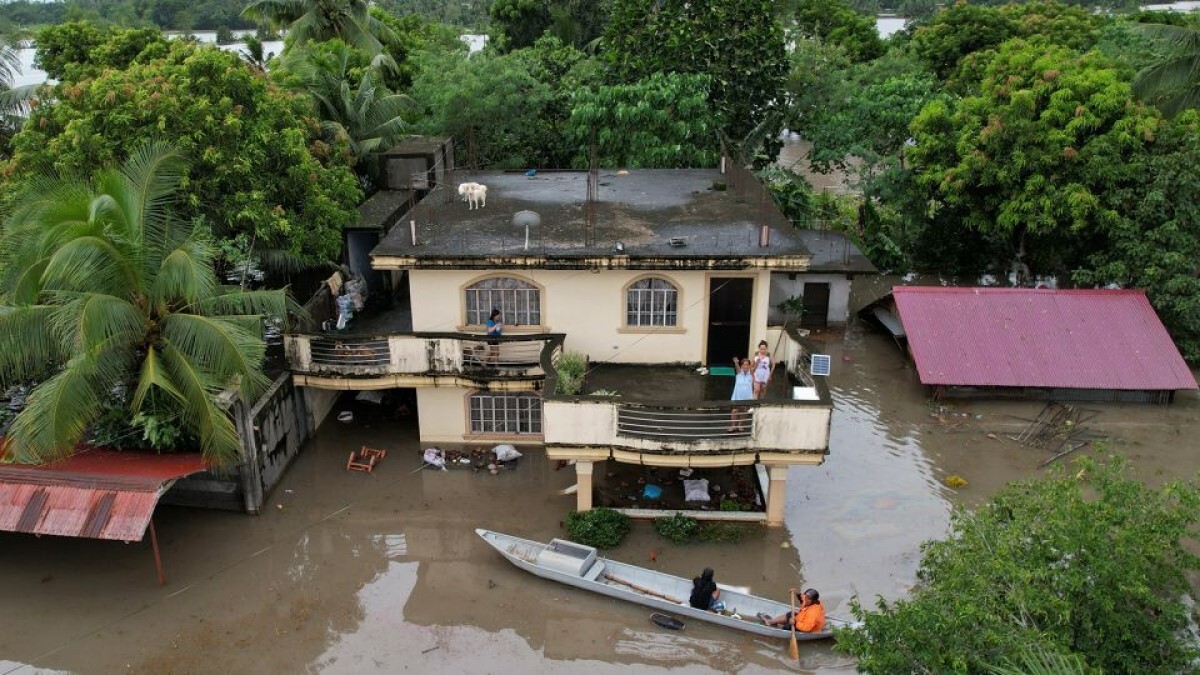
(360, 462)
(373, 453)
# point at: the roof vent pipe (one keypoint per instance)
(764, 236)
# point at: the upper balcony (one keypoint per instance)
(677, 412)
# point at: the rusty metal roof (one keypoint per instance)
(97, 493)
(1026, 337)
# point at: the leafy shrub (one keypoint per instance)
(571, 368)
(602, 528)
(678, 528)
(730, 505)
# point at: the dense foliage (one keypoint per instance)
(663, 121)
(102, 280)
(602, 528)
(738, 44)
(836, 23)
(1089, 564)
(258, 171)
(80, 49)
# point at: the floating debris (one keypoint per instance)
(955, 481)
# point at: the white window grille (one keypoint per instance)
(519, 301)
(652, 302)
(506, 413)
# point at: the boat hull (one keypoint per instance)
(523, 554)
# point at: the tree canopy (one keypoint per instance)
(1089, 566)
(737, 43)
(1033, 153)
(258, 169)
(78, 50)
(104, 282)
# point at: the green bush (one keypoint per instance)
(678, 528)
(571, 368)
(602, 528)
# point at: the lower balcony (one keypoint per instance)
(682, 416)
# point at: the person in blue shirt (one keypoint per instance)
(743, 390)
(495, 328)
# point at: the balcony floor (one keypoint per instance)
(672, 385)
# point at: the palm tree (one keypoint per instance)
(14, 101)
(321, 20)
(103, 288)
(254, 53)
(1173, 84)
(367, 117)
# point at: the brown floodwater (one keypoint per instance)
(350, 573)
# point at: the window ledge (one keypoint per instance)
(504, 437)
(668, 330)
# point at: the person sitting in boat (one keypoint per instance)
(810, 618)
(705, 594)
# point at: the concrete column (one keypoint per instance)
(776, 494)
(583, 475)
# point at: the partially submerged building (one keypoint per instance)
(1090, 345)
(665, 273)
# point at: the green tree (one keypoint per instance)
(413, 35)
(255, 172)
(318, 20)
(957, 31)
(661, 122)
(1086, 567)
(492, 104)
(835, 22)
(365, 117)
(102, 280)
(1172, 84)
(1155, 244)
(81, 49)
(518, 23)
(738, 44)
(1028, 159)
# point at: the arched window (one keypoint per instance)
(519, 301)
(506, 413)
(652, 302)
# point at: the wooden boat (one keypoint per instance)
(578, 565)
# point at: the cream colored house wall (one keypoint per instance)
(589, 308)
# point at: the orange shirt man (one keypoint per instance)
(810, 618)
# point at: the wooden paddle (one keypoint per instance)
(794, 648)
(644, 591)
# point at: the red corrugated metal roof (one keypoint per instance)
(1026, 337)
(99, 494)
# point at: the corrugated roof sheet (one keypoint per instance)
(98, 494)
(1025, 337)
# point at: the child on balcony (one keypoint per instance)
(743, 390)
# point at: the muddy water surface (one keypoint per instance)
(350, 573)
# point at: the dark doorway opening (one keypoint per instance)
(729, 303)
(816, 305)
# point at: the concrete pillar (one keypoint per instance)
(583, 475)
(776, 494)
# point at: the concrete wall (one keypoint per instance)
(590, 308)
(272, 432)
(783, 287)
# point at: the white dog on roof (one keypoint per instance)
(474, 194)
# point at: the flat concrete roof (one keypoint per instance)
(638, 213)
(834, 252)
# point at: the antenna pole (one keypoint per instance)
(593, 192)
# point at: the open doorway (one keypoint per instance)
(729, 303)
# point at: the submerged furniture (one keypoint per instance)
(365, 459)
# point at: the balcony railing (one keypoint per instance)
(684, 423)
(432, 354)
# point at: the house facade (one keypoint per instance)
(663, 273)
